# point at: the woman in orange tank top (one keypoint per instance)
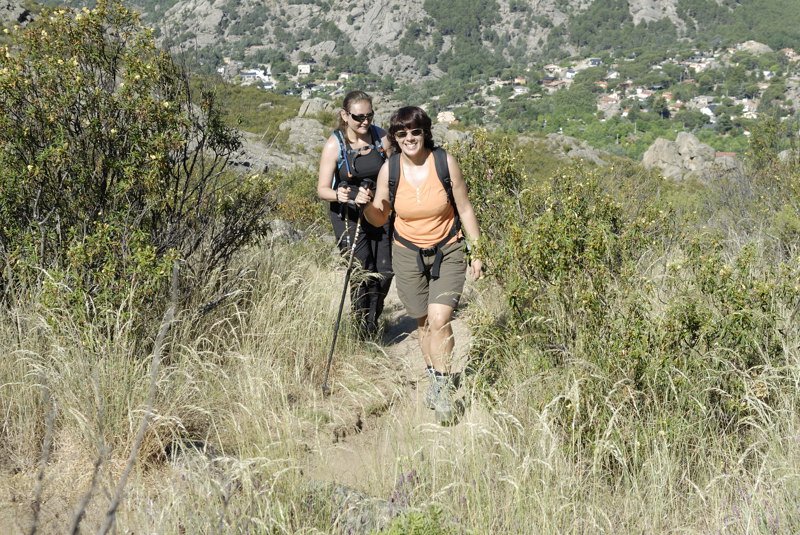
(429, 258)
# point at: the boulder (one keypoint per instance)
(305, 135)
(13, 12)
(574, 149)
(314, 106)
(443, 135)
(280, 230)
(754, 47)
(789, 156)
(255, 156)
(687, 157)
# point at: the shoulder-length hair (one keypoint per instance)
(409, 118)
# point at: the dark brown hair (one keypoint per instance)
(409, 118)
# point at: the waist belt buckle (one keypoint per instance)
(430, 251)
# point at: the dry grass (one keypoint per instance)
(238, 424)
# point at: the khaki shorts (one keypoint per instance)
(418, 290)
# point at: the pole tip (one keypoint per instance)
(326, 390)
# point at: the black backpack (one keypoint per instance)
(443, 172)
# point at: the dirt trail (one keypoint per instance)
(359, 458)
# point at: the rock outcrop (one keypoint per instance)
(754, 47)
(443, 135)
(13, 12)
(687, 157)
(315, 106)
(358, 25)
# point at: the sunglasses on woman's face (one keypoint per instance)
(403, 133)
(361, 117)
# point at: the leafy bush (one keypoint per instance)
(297, 198)
(429, 522)
(109, 168)
(633, 328)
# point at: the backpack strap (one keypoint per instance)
(394, 176)
(342, 160)
(377, 143)
(443, 172)
(345, 151)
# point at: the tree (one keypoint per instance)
(574, 102)
(684, 92)
(110, 166)
(691, 119)
(660, 107)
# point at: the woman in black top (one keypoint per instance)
(348, 168)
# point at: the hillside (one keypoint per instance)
(616, 74)
(422, 40)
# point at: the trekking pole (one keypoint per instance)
(325, 388)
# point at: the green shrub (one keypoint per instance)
(297, 198)
(629, 328)
(428, 522)
(109, 168)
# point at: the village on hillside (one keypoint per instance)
(306, 83)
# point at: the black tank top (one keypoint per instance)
(363, 165)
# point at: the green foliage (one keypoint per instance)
(608, 25)
(256, 111)
(468, 22)
(651, 344)
(573, 238)
(297, 199)
(766, 141)
(109, 168)
(774, 22)
(494, 180)
(428, 522)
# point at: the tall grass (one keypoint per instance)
(556, 438)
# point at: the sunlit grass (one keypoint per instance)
(240, 421)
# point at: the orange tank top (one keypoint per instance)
(424, 215)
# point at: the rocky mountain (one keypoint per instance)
(417, 40)
(402, 38)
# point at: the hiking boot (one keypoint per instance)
(442, 404)
(432, 393)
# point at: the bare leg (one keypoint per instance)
(436, 336)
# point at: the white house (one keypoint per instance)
(256, 76)
(304, 69)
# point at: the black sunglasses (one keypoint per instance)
(400, 134)
(361, 117)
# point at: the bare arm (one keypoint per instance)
(469, 222)
(377, 212)
(327, 167)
